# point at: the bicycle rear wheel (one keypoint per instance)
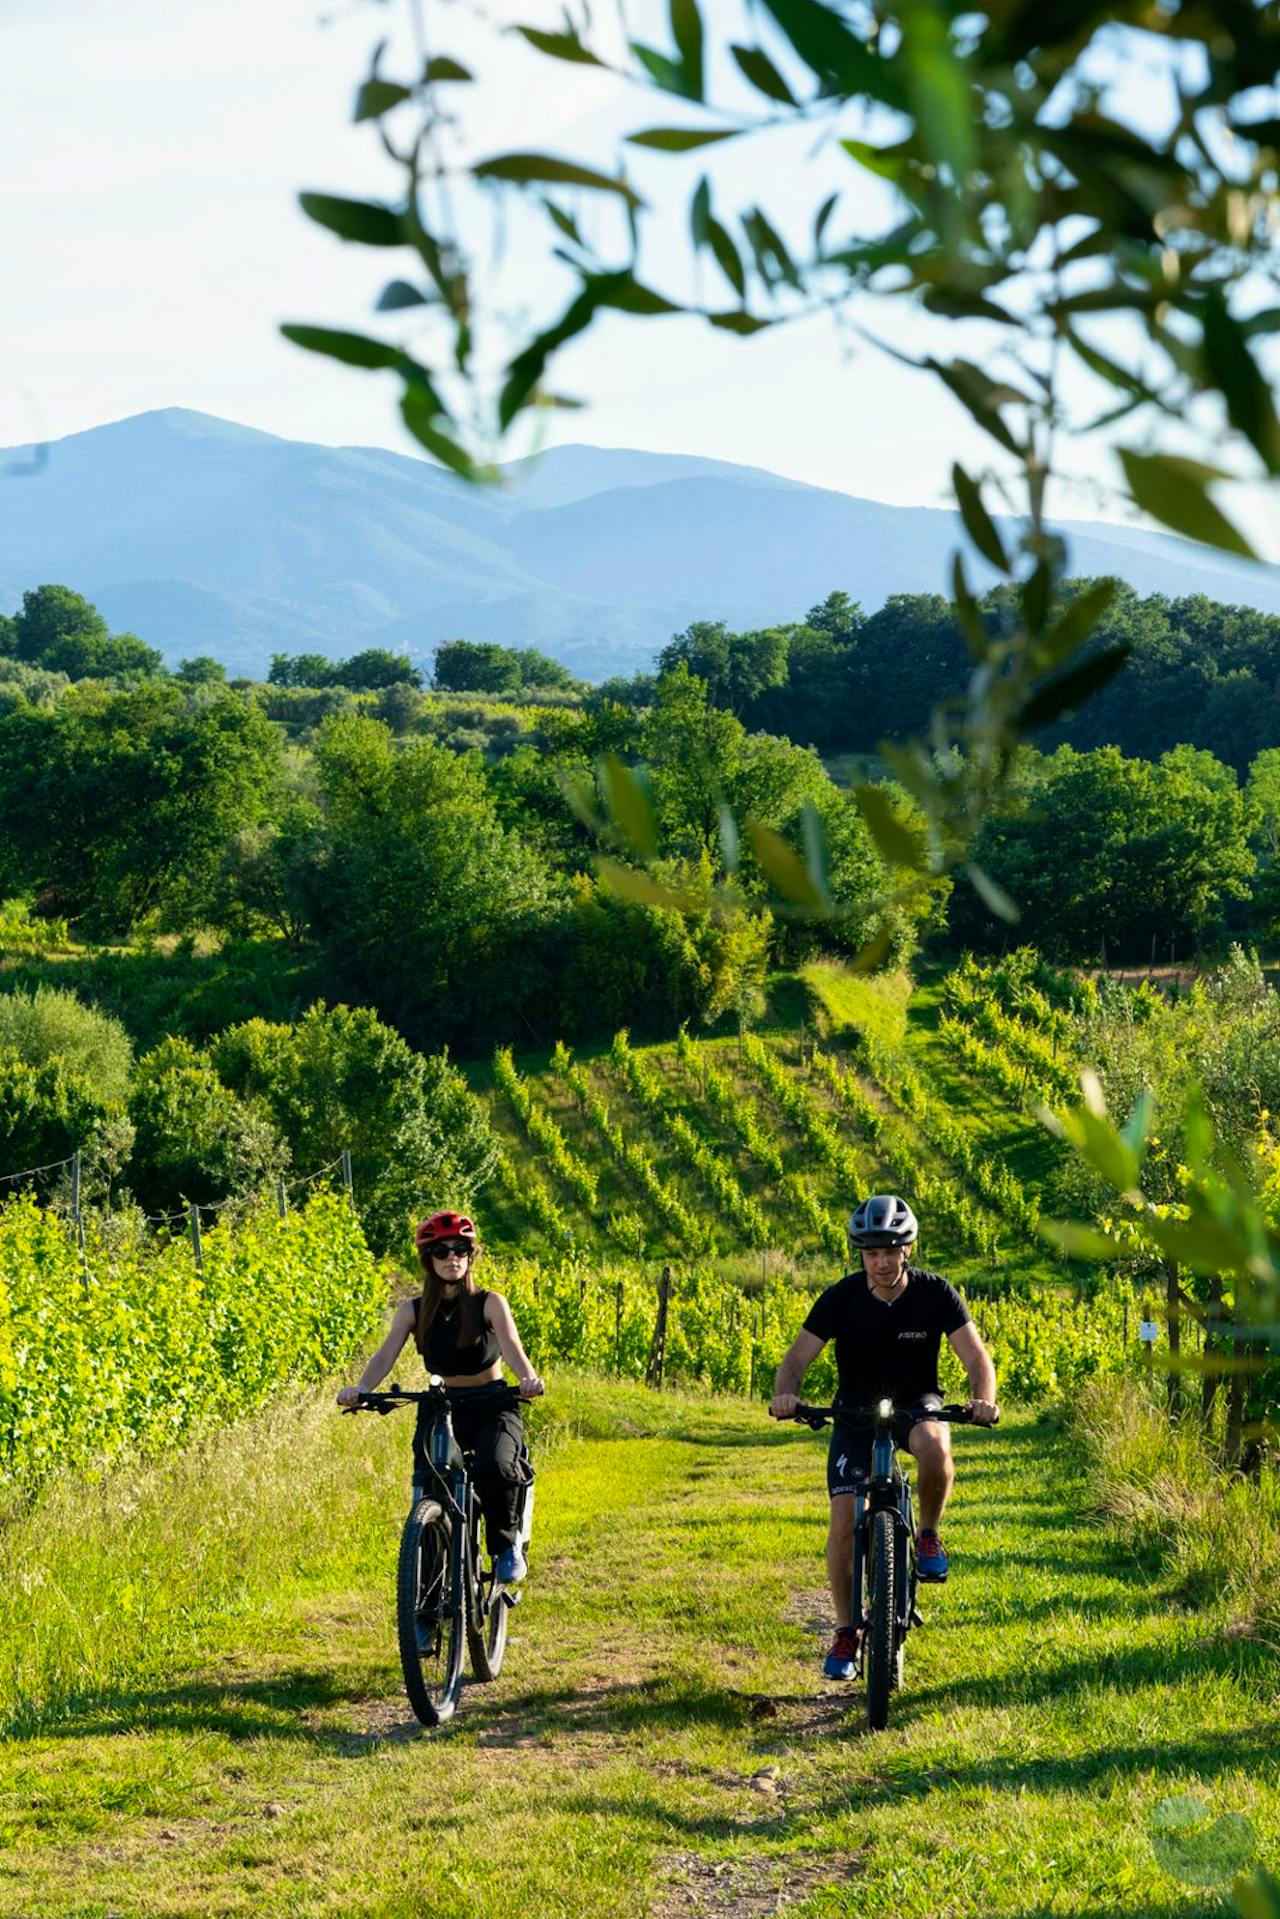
(428, 1615)
(880, 1619)
(486, 1624)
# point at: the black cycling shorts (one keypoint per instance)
(849, 1454)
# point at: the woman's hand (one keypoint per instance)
(349, 1396)
(530, 1386)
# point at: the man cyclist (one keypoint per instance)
(888, 1319)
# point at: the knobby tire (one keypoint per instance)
(486, 1631)
(429, 1620)
(880, 1620)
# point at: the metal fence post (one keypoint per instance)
(347, 1180)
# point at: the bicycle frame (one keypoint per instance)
(887, 1488)
(448, 1480)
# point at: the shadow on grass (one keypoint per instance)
(276, 1707)
(286, 1706)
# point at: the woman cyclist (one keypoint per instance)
(464, 1333)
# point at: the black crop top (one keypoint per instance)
(442, 1353)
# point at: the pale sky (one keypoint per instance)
(151, 154)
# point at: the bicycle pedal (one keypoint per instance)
(916, 1617)
(510, 1595)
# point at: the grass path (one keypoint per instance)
(661, 1743)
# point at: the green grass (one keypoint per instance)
(661, 1742)
(874, 1003)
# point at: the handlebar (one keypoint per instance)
(819, 1416)
(495, 1392)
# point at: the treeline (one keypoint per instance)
(435, 855)
(1199, 673)
(454, 890)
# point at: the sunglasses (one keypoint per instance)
(452, 1248)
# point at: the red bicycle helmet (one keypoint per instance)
(444, 1226)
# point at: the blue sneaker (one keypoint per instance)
(932, 1563)
(842, 1661)
(510, 1567)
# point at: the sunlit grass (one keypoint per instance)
(256, 1757)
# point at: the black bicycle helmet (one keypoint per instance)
(882, 1220)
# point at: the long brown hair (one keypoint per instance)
(470, 1321)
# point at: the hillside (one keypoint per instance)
(748, 1152)
(205, 536)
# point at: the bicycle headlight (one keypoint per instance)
(884, 1409)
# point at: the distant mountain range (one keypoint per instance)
(203, 536)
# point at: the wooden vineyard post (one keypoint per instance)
(658, 1350)
(77, 1217)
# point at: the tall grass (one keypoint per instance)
(1161, 1482)
(110, 1580)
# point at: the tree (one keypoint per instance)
(50, 1111)
(692, 750)
(54, 619)
(120, 804)
(425, 904)
(201, 671)
(341, 1080)
(1108, 849)
(300, 669)
(193, 1139)
(466, 666)
(53, 1025)
(376, 667)
(737, 668)
(62, 632)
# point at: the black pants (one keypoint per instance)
(493, 1439)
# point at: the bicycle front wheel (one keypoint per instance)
(428, 1615)
(880, 1620)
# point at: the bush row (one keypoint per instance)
(148, 1343)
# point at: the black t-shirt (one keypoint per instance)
(887, 1350)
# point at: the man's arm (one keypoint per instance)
(976, 1360)
(796, 1361)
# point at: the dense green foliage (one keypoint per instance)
(433, 853)
(1199, 672)
(59, 631)
(264, 1099)
(466, 666)
(375, 667)
(141, 1345)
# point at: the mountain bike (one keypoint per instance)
(444, 1591)
(884, 1546)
